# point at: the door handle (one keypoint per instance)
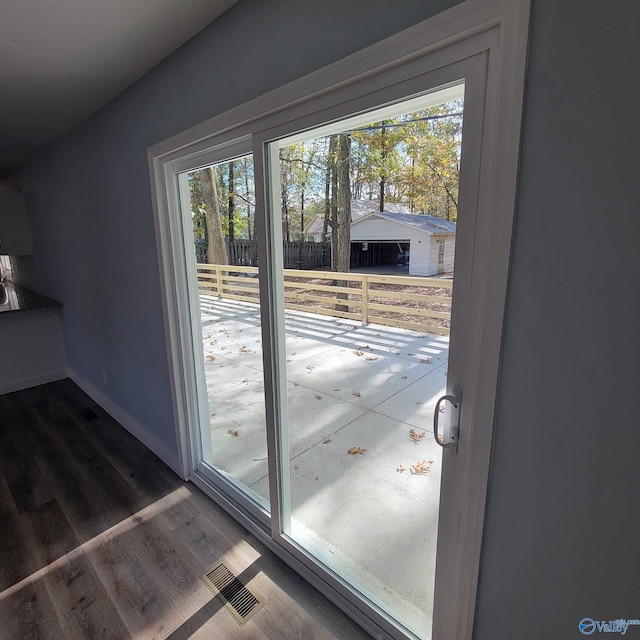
(454, 423)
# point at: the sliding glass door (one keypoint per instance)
(334, 260)
(320, 281)
(363, 340)
(218, 212)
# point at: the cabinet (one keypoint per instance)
(15, 238)
(31, 347)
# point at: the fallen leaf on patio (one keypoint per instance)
(295, 466)
(233, 432)
(358, 353)
(355, 450)
(207, 336)
(327, 441)
(214, 342)
(243, 349)
(238, 330)
(336, 389)
(371, 359)
(425, 360)
(318, 397)
(411, 354)
(404, 377)
(211, 358)
(415, 436)
(356, 394)
(441, 409)
(309, 368)
(294, 353)
(400, 469)
(421, 468)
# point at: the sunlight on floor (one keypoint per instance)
(119, 529)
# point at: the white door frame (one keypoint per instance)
(497, 31)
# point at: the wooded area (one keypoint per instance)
(412, 160)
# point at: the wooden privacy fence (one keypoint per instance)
(296, 254)
(420, 304)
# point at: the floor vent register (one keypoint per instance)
(237, 598)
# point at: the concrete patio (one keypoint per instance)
(348, 385)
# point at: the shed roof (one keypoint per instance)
(427, 224)
(359, 209)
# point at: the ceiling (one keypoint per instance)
(61, 60)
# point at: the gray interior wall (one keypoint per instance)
(31, 348)
(562, 521)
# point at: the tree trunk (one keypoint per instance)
(285, 212)
(328, 219)
(334, 202)
(342, 230)
(216, 248)
(246, 189)
(232, 202)
(383, 177)
(343, 213)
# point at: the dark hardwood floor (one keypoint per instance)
(99, 539)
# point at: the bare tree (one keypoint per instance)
(232, 202)
(328, 182)
(332, 202)
(217, 250)
(383, 173)
(342, 230)
(247, 201)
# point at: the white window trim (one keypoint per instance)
(499, 27)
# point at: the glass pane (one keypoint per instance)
(369, 221)
(222, 201)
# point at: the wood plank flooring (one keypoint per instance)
(99, 539)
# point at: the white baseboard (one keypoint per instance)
(19, 385)
(128, 422)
